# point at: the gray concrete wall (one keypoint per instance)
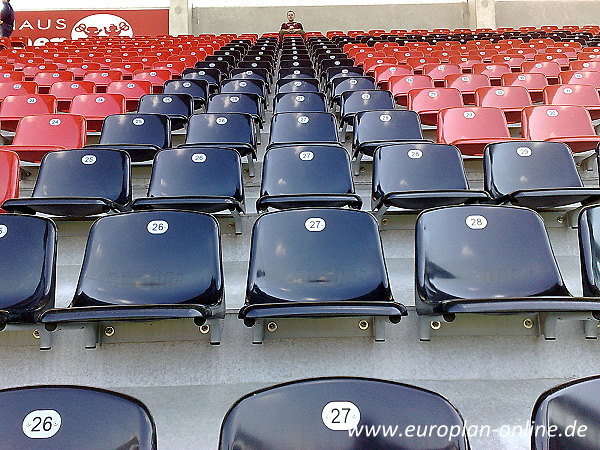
(331, 17)
(538, 13)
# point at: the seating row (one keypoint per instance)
(331, 412)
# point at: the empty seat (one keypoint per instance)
(120, 279)
(285, 85)
(78, 183)
(28, 245)
(198, 89)
(374, 128)
(9, 176)
(534, 82)
(15, 107)
(177, 107)
(574, 94)
(305, 263)
(303, 128)
(566, 416)
(549, 69)
(232, 130)
(158, 77)
(37, 135)
(418, 176)
(472, 128)
(293, 177)
(131, 90)
(65, 91)
(206, 179)
(569, 124)
(400, 85)
(589, 224)
(342, 84)
(299, 102)
(427, 102)
(353, 102)
(493, 71)
(580, 77)
(96, 107)
(510, 99)
(467, 84)
(469, 259)
(140, 135)
(534, 175)
(322, 413)
(59, 417)
(237, 103)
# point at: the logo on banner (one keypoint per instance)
(101, 25)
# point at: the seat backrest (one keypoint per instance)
(28, 245)
(125, 272)
(299, 101)
(297, 85)
(535, 81)
(59, 417)
(168, 104)
(467, 82)
(220, 128)
(390, 125)
(515, 166)
(129, 89)
(136, 128)
(571, 405)
(299, 169)
(64, 130)
(571, 94)
(86, 172)
(9, 176)
(198, 89)
(542, 122)
(287, 128)
(318, 413)
(473, 252)
(320, 260)
(343, 84)
(17, 88)
(589, 233)
(471, 123)
(503, 96)
(434, 99)
(248, 86)
(548, 68)
(365, 100)
(580, 77)
(156, 76)
(26, 105)
(103, 77)
(200, 171)
(417, 167)
(97, 105)
(233, 103)
(66, 90)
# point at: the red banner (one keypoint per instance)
(43, 26)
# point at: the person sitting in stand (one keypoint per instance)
(291, 26)
(7, 19)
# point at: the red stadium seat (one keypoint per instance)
(427, 102)
(510, 99)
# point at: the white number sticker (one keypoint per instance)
(499, 92)
(249, 72)
(306, 156)
(152, 74)
(297, 83)
(138, 121)
(100, 99)
(41, 424)
(352, 81)
(17, 86)
(433, 94)
(253, 65)
(3, 230)
(221, 120)
(365, 96)
(296, 64)
(55, 75)
(296, 72)
(521, 78)
(198, 157)
(524, 151)
(314, 224)
(303, 119)
(441, 68)
(300, 98)
(234, 99)
(489, 67)
(187, 84)
(6, 75)
(393, 69)
(469, 114)
(586, 64)
(157, 227)
(385, 117)
(340, 416)
(167, 99)
(568, 90)
(538, 65)
(345, 71)
(201, 72)
(104, 75)
(552, 112)
(415, 154)
(32, 100)
(465, 79)
(75, 86)
(243, 84)
(54, 122)
(578, 75)
(476, 222)
(88, 159)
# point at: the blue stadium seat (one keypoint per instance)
(353, 102)
(198, 89)
(566, 416)
(206, 179)
(299, 102)
(470, 259)
(320, 413)
(286, 85)
(54, 417)
(177, 107)
(419, 176)
(120, 279)
(293, 177)
(303, 128)
(306, 263)
(79, 183)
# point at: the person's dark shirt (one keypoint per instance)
(289, 25)
(8, 19)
